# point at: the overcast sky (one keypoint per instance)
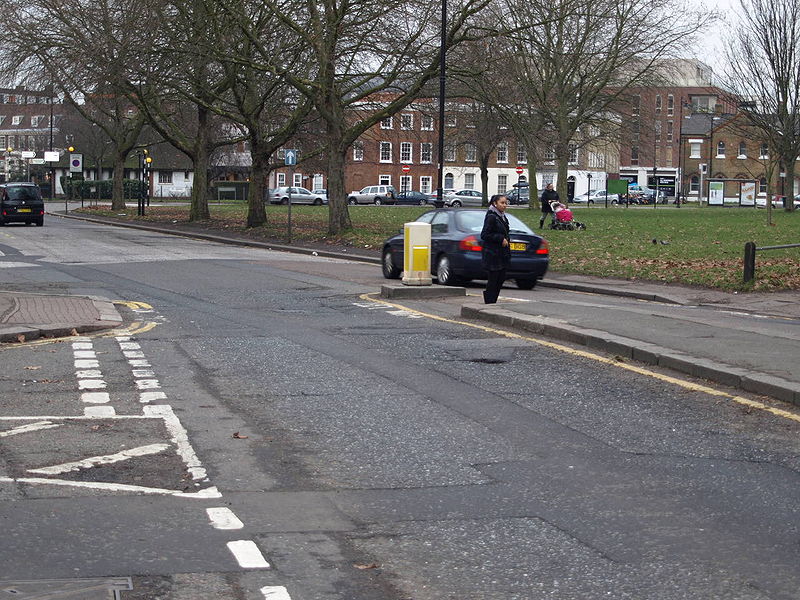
(711, 49)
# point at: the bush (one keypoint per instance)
(83, 188)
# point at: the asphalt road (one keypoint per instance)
(363, 451)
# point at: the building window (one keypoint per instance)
(469, 181)
(2, 142)
(742, 150)
(34, 121)
(425, 184)
(405, 183)
(165, 177)
(470, 153)
(426, 152)
(670, 131)
(16, 119)
(634, 155)
(385, 152)
(694, 149)
(762, 186)
(297, 179)
(522, 155)
(658, 131)
(764, 152)
(358, 151)
(281, 180)
(502, 152)
(550, 154)
(449, 181)
(658, 104)
(670, 105)
(635, 102)
(597, 160)
(694, 184)
(450, 121)
(450, 153)
(427, 123)
(406, 122)
(573, 154)
(720, 149)
(502, 183)
(386, 123)
(406, 155)
(384, 180)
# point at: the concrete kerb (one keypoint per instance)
(642, 352)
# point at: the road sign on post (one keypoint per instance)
(76, 163)
(520, 170)
(290, 157)
(406, 169)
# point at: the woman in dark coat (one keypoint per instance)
(548, 195)
(496, 254)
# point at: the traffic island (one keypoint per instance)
(420, 292)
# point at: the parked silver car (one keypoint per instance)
(464, 198)
(373, 194)
(299, 196)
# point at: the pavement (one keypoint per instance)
(745, 341)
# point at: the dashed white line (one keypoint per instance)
(133, 353)
(146, 397)
(85, 354)
(275, 592)
(91, 384)
(147, 384)
(223, 518)
(88, 463)
(247, 554)
(87, 364)
(95, 397)
(89, 374)
(134, 362)
(98, 412)
(38, 426)
(146, 373)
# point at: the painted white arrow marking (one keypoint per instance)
(88, 463)
(27, 428)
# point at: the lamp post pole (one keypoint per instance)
(442, 61)
(52, 167)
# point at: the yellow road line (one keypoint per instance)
(687, 385)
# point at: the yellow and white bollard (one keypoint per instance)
(417, 254)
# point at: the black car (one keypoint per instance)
(21, 203)
(411, 197)
(521, 194)
(456, 249)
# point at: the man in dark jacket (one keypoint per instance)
(548, 195)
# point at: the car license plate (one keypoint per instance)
(518, 246)
(23, 210)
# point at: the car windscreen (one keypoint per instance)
(472, 220)
(22, 193)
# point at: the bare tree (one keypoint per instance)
(764, 72)
(573, 61)
(367, 61)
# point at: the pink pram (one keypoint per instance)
(563, 219)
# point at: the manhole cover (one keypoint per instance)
(73, 589)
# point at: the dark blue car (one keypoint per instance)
(456, 249)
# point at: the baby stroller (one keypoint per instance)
(563, 219)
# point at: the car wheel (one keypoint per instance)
(317, 201)
(444, 274)
(456, 204)
(422, 202)
(590, 202)
(40, 221)
(352, 201)
(389, 270)
(377, 202)
(526, 284)
(284, 201)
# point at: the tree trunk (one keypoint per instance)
(338, 215)
(533, 188)
(562, 156)
(256, 214)
(199, 208)
(484, 162)
(789, 186)
(117, 186)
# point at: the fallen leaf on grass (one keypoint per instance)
(367, 566)
(239, 437)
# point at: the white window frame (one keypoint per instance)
(426, 123)
(670, 105)
(450, 120)
(469, 181)
(280, 180)
(450, 153)
(405, 183)
(470, 153)
(297, 180)
(16, 119)
(742, 145)
(522, 155)
(358, 151)
(721, 145)
(406, 122)
(406, 152)
(573, 153)
(695, 148)
(425, 183)
(762, 154)
(384, 179)
(384, 151)
(502, 153)
(165, 177)
(387, 123)
(502, 184)
(426, 153)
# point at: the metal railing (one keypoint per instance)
(750, 257)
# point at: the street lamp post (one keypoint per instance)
(442, 61)
(710, 159)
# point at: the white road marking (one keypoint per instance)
(147, 384)
(95, 397)
(9, 265)
(87, 364)
(89, 374)
(38, 426)
(138, 363)
(146, 397)
(99, 412)
(88, 463)
(275, 592)
(85, 354)
(247, 554)
(204, 494)
(142, 373)
(91, 384)
(133, 353)
(179, 437)
(223, 518)
(403, 313)
(129, 345)
(82, 346)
